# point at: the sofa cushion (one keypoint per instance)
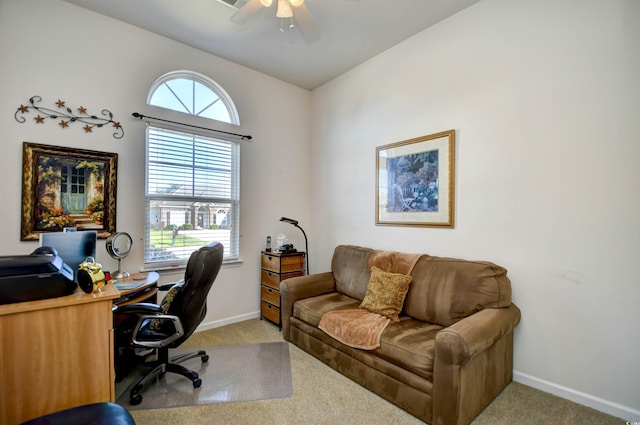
(386, 293)
(350, 267)
(410, 344)
(311, 310)
(445, 290)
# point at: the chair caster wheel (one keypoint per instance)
(197, 383)
(135, 400)
(205, 359)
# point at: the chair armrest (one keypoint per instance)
(473, 363)
(298, 288)
(137, 308)
(158, 340)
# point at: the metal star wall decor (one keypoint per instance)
(66, 116)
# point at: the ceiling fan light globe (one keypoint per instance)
(284, 9)
(266, 3)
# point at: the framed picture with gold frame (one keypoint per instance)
(415, 181)
(67, 189)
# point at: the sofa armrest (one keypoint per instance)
(463, 340)
(297, 288)
(473, 363)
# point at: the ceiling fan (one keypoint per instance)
(291, 13)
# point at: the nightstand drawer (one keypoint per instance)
(283, 263)
(273, 280)
(271, 312)
(270, 295)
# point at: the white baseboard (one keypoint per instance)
(227, 321)
(597, 403)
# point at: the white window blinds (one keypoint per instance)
(192, 195)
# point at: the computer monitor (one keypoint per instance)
(72, 247)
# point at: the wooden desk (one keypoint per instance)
(55, 354)
(145, 292)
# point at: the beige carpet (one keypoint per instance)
(322, 396)
(234, 373)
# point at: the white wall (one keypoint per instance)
(544, 97)
(60, 51)
(545, 100)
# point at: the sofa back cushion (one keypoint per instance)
(445, 290)
(350, 267)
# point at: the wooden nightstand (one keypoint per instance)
(276, 267)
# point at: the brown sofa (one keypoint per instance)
(447, 358)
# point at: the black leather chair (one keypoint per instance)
(94, 414)
(161, 327)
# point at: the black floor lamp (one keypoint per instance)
(306, 243)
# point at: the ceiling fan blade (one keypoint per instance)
(306, 24)
(246, 12)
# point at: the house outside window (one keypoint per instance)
(192, 175)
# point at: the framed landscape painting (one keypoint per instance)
(67, 189)
(415, 181)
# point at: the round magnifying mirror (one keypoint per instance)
(118, 247)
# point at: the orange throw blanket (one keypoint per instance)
(394, 262)
(355, 328)
(361, 328)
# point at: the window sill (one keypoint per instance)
(168, 269)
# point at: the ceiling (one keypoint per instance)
(344, 34)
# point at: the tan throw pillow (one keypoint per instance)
(386, 293)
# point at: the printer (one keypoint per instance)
(42, 274)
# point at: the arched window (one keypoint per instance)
(191, 173)
(194, 94)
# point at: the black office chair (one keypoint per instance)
(94, 414)
(146, 325)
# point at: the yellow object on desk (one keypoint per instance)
(90, 276)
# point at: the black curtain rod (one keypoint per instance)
(242, 136)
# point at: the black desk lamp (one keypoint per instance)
(306, 243)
